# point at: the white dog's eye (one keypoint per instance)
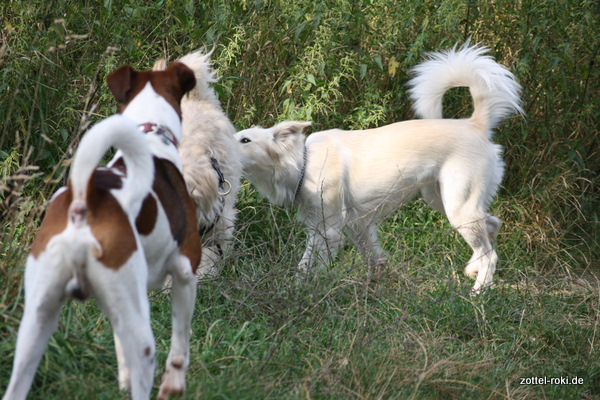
(245, 140)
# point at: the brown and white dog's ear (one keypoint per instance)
(120, 83)
(287, 129)
(172, 84)
(184, 75)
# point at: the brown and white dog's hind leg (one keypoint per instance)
(183, 293)
(122, 296)
(124, 378)
(44, 296)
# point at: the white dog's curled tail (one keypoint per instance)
(122, 133)
(494, 90)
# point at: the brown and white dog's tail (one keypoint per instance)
(122, 133)
(494, 90)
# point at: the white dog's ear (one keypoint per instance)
(285, 129)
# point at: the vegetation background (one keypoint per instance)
(340, 63)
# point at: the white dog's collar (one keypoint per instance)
(302, 173)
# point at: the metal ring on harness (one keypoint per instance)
(222, 180)
(228, 189)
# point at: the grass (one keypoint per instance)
(415, 333)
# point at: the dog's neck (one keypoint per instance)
(163, 131)
(149, 108)
(282, 182)
(302, 174)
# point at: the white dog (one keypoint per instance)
(343, 181)
(210, 157)
(113, 233)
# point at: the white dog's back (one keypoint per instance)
(397, 161)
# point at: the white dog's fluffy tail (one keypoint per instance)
(122, 133)
(495, 92)
(199, 62)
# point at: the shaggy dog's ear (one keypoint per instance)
(287, 129)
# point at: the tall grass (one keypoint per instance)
(340, 63)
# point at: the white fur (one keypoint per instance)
(206, 133)
(353, 178)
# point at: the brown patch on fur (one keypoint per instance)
(146, 219)
(54, 223)
(172, 193)
(108, 179)
(170, 188)
(177, 364)
(172, 84)
(107, 220)
(109, 225)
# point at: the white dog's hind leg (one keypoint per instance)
(472, 226)
(183, 293)
(44, 297)
(482, 264)
(431, 194)
(463, 199)
(492, 225)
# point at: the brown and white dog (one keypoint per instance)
(113, 233)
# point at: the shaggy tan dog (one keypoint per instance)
(210, 158)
